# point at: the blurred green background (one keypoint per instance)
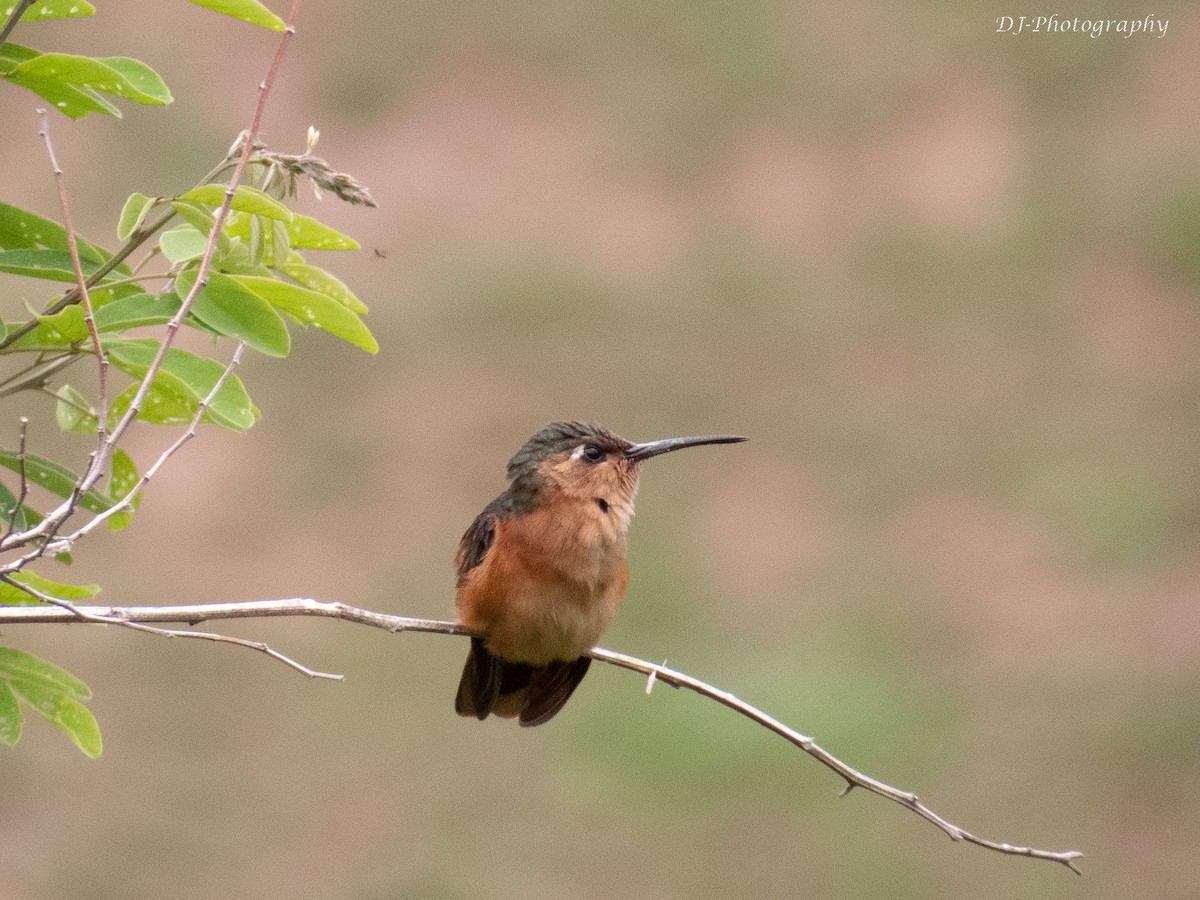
(946, 281)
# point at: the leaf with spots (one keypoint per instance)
(74, 412)
(245, 199)
(9, 510)
(23, 230)
(312, 308)
(317, 279)
(62, 711)
(229, 308)
(304, 232)
(137, 310)
(54, 265)
(10, 715)
(116, 75)
(57, 479)
(55, 9)
(124, 478)
(190, 377)
(250, 11)
(25, 666)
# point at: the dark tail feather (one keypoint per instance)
(491, 685)
(480, 683)
(550, 687)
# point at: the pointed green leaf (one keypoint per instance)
(73, 412)
(62, 711)
(133, 213)
(312, 308)
(64, 328)
(137, 310)
(73, 102)
(8, 506)
(231, 407)
(245, 199)
(281, 247)
(10, 715)
(142, 83)
(55, 265)
(310, 234)
(303, 231)
(120, 76)
(18, 664)
(317, 279)
(56, 479)
(124, 479)
(52, 9)
(23, 230)
(231, 309)
(166, 402)
(250, 11)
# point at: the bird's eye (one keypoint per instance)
(593, 454)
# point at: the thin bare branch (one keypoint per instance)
(66, 541)
(13, 18)
(194, 614)
(80, 282)
(24, 488)
(44, 531)
(91, 616)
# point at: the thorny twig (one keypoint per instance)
(80, 282)
(309, 607)
(44, 532)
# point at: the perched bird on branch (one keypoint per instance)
(542, 570)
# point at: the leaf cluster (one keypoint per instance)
(178, 265)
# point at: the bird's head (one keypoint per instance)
(585, 461)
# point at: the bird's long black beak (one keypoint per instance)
(638, 452)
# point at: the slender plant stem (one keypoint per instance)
(13, 18)
(193, 614)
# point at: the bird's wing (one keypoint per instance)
(478, 540)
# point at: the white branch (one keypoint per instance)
(134, 615)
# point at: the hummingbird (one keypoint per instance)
(542, 570)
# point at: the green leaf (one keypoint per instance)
(8, 506)
(73, 411)
(166, 402)
(63, 328)
(317, 279)
(54, 265)
(312, 308)
(10, 715)
(310, 234)
(247, 10)
(231, 309)
(67, 326)
(133, 213)
(231, 407)
(245, 199)
(181, 243)
(23, 230)
(73, 102)
(124, 479)
(144, 83)
(117, 75)
(304, 232)
(56, 479)
(18, 664)
(137, 310)
(62, 711)
(52, 9)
